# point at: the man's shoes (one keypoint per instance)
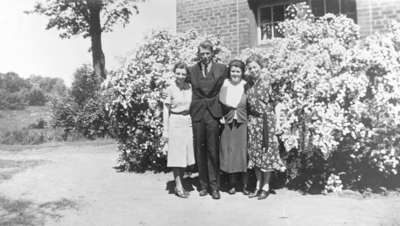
(215, 195)
(232, 191)
(203, 192)
(254, 194)
(263, 195)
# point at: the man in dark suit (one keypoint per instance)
(206, 78)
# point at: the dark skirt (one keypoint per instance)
(233, 153)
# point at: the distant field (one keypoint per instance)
(11, 120)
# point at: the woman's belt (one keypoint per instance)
(180, 113)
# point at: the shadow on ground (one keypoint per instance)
(23, 212)
(8, 168)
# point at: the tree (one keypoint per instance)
(84, 17)
(36, 97)
(51, 87)
(86, 85)
(12, 82)
(13, 91)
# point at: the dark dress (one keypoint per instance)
(233, 154)
(262, 140)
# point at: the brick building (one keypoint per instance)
(248, 23)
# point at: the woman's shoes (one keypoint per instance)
(263, 195)
(260, 194)
(232, 191)
(181, 193)
(245, 191)
(203, 192)
(254, 194)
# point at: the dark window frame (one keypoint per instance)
(267, 30)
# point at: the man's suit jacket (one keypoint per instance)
(206, 98)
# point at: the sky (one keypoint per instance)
(27, 48)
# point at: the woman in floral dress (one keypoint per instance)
(262, 138)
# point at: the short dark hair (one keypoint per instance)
(180, 65)
(255, 58)
(236, 63)
(206, 44)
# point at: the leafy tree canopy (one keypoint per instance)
(75, 17)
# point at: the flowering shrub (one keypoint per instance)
(136, 106)
(333, 184)
(376, 115)
(386, 161)
(339, 97)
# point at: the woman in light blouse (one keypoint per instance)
(178, 127)
(233, 153)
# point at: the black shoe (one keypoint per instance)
(245, 192)
(232, 191)
(215, 195)
(203, 192)
(263, 195)
(180, 194)
(254, 194)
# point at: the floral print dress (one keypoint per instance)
(263, 145)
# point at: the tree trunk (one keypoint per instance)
(95, 35)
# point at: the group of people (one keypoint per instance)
(222, 119)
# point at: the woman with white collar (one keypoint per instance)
(233, 153)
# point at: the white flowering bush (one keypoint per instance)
(339, 94)
(385, 160)
(340, 98)
(376, 116)
(136, 106)
(333, 184)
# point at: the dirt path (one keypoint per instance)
(76, 185)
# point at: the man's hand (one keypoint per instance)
(164, 95)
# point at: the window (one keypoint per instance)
(346, 7)
(270, 15)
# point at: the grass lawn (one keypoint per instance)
(17, 119)
(15, 126)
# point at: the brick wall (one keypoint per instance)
(373, 15)
(235, 20)
(232, 20)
